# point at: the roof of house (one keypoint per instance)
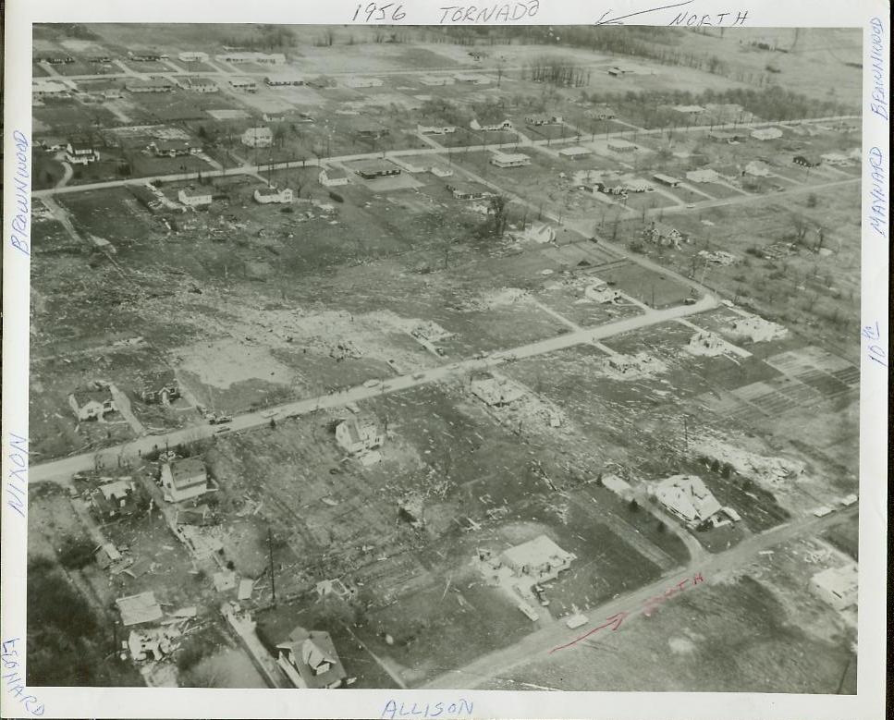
(688, 496)
(136, 609)
(116, 490)
(703, 175)
(536, 553)
(361, 426)
(149, 82)
(194, 80)
(313, 649)
(375, 166)
(510, 157)
(841, 581)
(188, 472)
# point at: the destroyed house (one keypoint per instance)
(602, 112)
(173, 148)
(540, 119)
(258, 137)
(688, 498)
(283, 80)
(539, 559)
(837, 586)
(115, 499)
(152, 85)
(309, 659)
(371, 169)
(495, 392)
(359, 433)
(184, 479)
(470, 191)
(193, 56)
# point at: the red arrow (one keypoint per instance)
(614, 622)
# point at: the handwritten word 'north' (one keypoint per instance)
(500, 12)
(616, 620)
(713, 19)
(15, 684)
(460, 708)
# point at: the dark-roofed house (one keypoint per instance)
(373, 131)
(80, 151)
(370, 169)
(309, 660)
(161, 387)
(359, 433)
(115, 499)
(184, 479)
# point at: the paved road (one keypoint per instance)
(538, 644)
(61, 470)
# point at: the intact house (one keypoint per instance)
(437, 80)
(184, 479)
(541, 119)
(308, 658)
(835, 159)
(621, 146)
(173, 148)
(493, 127)
(837, 586)
(266, 196)
(666, 180)
(688, 498)
(333, 177)
(80, 152)
(435, 129)
(255, 57)
(770, 133)
(92, 402)
(373, 132)
(806, 161)
(258, 137)
(161, 387)
(638, 185)
(509, 160)
(469, 191)
(601, 112)
(193, 56)
(725, 137)
(496, 392)
(115, 499)
(539, 559)
(575, 153)
(152, 85)
(359, 433)
(283, 80)
(246, 84)
(194, 200)
(371, 169)
(200, 84)
(49, 88)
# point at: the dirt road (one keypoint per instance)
(539, 644)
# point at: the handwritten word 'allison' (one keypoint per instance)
(460, 708)
(17, 481)
(616, 620)
(505, 12)
(21, 178)
(712, 19)
(15, 684)
(879, 104)
(872, 334)
(878, 206)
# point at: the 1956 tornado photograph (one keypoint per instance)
(492, 357)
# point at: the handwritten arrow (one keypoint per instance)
(617, 20)
(614, 622)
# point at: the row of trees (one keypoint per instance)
(557, 71)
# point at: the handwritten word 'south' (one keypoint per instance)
(879, 102)
(15, 683)
(458, 709)
(497, 12)
(21, 178)
(878, 193)
(17, 480)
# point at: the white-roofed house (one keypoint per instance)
(539, 559)
(837, 586)
(688, 498)
(359, 433)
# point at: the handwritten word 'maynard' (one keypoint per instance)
(460, 708)
(879, 104)
(878, 206)
(616, 620)
(499, 12)
(17, 481)
(15, 684)
(21, 178)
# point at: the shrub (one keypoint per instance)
(76, 553)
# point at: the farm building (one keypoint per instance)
(309, 660)
(258, 137)
(373, 131)
(333, 177)
(756, 168)
(473, 78)
(509, 160)
(725, 137)
(539, 559)
(193, 200)
(638, 185)
(770, 133)
(184, 479)
(268, 195)
(575, 153)
(666, 180)
(837, 586)
(469, 191)
(687, 497)
(621, 146)
(835, 159)
(689, 110)
(495, 392)
(359, 433)
(92, 403)
(371, 169)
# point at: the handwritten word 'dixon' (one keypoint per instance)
(499, 12)
(878, 206)
(15, 684)
(879, 104)
(17, 480)
(21, 177)
(616, 620)
(460, 708)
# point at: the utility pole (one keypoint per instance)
(272, 568)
